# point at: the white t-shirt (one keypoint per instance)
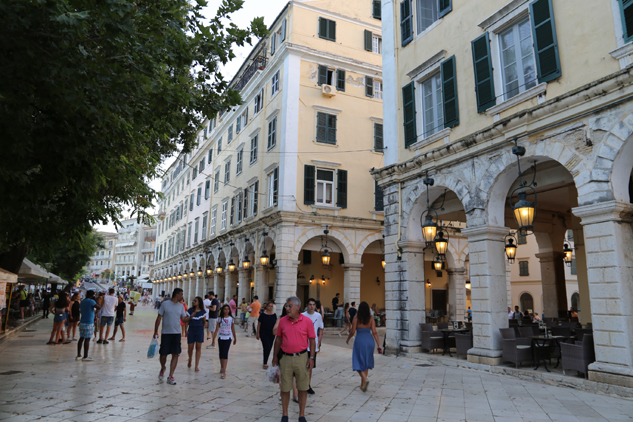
(109, 306)
(317, 321)
(225, 333)
(206, 303)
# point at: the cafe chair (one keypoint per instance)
(463, 343)
(431, 340)
(578, 356)
(442, 325)
(515, 350)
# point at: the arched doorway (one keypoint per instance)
(527, 302)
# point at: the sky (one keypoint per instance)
(269, 9)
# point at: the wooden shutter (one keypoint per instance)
(232, 219)
(331, 129)
(379, 202)
(275, 185)
(255, 197)
(323, 28)
(369, 86)
(408, 100)
(331, 30)
(321, 127)
(378, 141)
(484, 80)
(626, 12)
(245, 203)
(273, 40)
(308, 184)
(283, 30)
(368, 40)
(341, 189)
(210, 157)
(449, 93)
(340, 80)
(377, 10)
(545, 41)
(445, 7)
(322, 75)
(406, 22)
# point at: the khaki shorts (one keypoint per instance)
(290, 366)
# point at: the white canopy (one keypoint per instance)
(30, 270)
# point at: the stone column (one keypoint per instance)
(553, 280)
(456, 293)
(285, 282)
(581, 275)
(609, 249)
(509, 283)
(218, 286)
(229, 284)
(261, 283)
(190, 291)
(197, 288)
(244, 287)
(488, 292)
(351, 283)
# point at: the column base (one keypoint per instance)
(485, 356)
(611, 374)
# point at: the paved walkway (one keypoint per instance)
(121, 385)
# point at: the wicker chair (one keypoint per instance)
(578, 356)
(526, 332)
(442, 325)
(431, 340)
(463, 343)
(581, 332)
(515, 350)
(561, 331)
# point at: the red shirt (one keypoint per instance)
(295, 335)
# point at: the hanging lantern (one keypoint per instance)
(384, 263)
(179, 276)
(468, 284)
(199, 271)
(323, 280)
(429, 229)
(264, 259)
(325, 259)
(185, 275)
(246, 263)
(231, 265)
(192, 274)
(511, 248)
(441, 244)
(438, 264)
(209, 270)
(524, 213)
(568, 254)
(219, 269)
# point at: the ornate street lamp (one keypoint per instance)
(468, 284)
(264, 258)
(179, 276)
(231, 265)
(568, 254)
(200, 271)
(441, 244)
(185, 275)
(192, 274)
(382, 247)
(524, 211)
(311, 279)
(323, 280)
(429, 226)
(219, 269)
(209, 270)
(511, 247)
(246, 263)
(438, 264)
(325, 255)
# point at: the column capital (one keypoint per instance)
(352, 267)
(412, 246)
(549, 256)
(486, 232)
(456, 271)
(604, 211)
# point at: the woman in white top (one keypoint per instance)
(226, 332)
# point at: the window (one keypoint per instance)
(524, 269)
(210, 156)
(575, 301)
(379, 199)
(324, 186)
(272, 133)
(195, 173)
(245, 204)
(626, 12)
(326, 128)
(259, 102)
(369, 86)
(378, 90)
(238, 164)
(195, 231)
(521, 238)
(406, 22)
(239, 198)
(527, 302)
(376, 44)
(199, 195)
(273, 43)
(220, 145)
(244, 118)
(227, 172)
(327, 29)
(378, 141)
(376, 9)
(232, 218)
(274, 84)
(203, 234)
(207, 188)
(189, 235)
(340, 80)
(253, 155)
(238, 125)
(201, 166)
(426, 14)
(214, 216)
(273, 187)
(325, 75)
(253, 191)
(573, 269)
(190, 204)
(433, 115)
(216, 182)
(517, 59)
(229, 136)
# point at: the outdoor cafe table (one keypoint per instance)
(447, 333)
(539, 343)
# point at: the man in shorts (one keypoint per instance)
(171, 312)
(212, 316)
(86, 324)
(295, 334)
(108, 312)
(254, 309)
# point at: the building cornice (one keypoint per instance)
(324, 12)
(318, 56)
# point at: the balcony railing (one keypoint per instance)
(259, 63)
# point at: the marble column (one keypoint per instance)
(230, 280)
(488, 292)
(190, 291)
(218, 286)
(351, 283)
(608, 235)
(456, 294)
(285, 281)
(261, 283)
(581, 273)
(553, 281)
(244, 284)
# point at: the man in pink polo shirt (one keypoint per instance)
(295, 334)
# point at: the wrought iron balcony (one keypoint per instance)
(259, 63)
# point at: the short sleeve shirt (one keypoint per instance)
(295, 335)
(172, 314)
(225, 332)
(214, 314)
(255, 308)
(317, 322)
(87, 308)
(206, 303)
(109, 305)
(233, 306)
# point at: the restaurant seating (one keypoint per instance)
(431, 340)
(581, 332)
(442, 325)
(515, 350)
(463, 343)
(561, 331)
(578, 356)
(526, 332)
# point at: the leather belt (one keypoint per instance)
(294, 354)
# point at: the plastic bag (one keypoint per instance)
(153, 348)
(272, 374)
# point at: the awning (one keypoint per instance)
(8, 277)
(119, 245)
(30, 270)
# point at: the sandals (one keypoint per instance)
(265, 366)
(364, 386)
(222, 376)
(51, 342)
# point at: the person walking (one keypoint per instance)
(233, 305)
(108, 312)
(183, 326)
(347, 325)
(242, 309)
(46, 303)
(352, 313)
(226, 333)
(121, 317)
(74, 317)
(364, 331)
(195, 330)
(86, 325)
(24, 303)
(59, 309)
(317, 322)
(171, 313)
(295, 334)
(253, 309)
(207, 303)
(335, 302)
(212, 325)
(265, 324)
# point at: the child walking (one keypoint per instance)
(121, 317)
(226, 332)
(195, 330)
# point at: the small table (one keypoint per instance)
(447, 333)
(539, 343)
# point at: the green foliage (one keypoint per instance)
(94, 95)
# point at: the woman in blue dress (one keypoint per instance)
(195, 330)
(364, 328)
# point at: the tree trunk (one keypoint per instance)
(12, 259)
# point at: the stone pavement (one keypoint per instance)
(121, 385)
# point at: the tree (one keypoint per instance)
(94, 96)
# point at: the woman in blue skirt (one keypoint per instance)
(195, 330)
(364, 328)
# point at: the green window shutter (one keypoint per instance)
(484, 80)
(368, 40)
(331, 129)
(275, 185)
(545, 41)
(322, 75)
(406, 22)
(369, 86)
(408, 102)
(255, 197)
(321, 127)
(308, 184)
(449, 93)
(341, 189)
(340, 80)
(379, 202)
(626, 12)
(331, 30)
(445, 7)
(323, 28)
(377, 10)
(379, 145)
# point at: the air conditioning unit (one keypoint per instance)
(328, 90)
